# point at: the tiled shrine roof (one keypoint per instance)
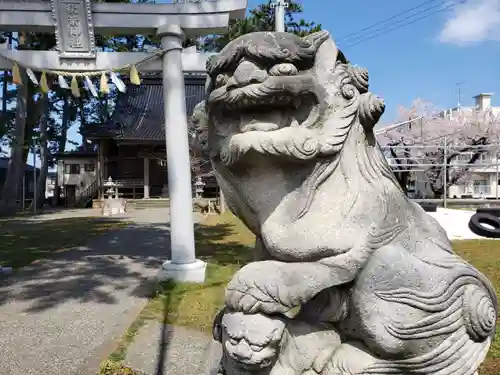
(138, 113)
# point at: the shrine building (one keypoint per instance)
(130, 147)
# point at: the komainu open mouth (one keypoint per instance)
(243, 100)
(269, 112)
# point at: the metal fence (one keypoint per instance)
(447, 170)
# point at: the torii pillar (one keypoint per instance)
(183, 265)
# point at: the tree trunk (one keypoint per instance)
(16, 163)
(44, 151)
(5, 92)
(83, 124)
(61, 144)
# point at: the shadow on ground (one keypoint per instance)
(125, 258)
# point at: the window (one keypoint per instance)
(71, 168)
(481, 187)
(465, 157)
(52, 181)
(90, 167)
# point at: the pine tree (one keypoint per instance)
(262, 18)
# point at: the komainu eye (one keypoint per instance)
(283, 70)
(221, 80)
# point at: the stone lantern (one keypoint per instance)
(199, 187)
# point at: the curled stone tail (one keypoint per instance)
(457, 355)
(465, 302)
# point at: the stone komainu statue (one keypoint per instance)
(350, 276)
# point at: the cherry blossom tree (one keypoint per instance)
(417, 143)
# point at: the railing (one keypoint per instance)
(128, 182)
(88, 194)
(446, 169)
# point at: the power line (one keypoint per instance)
(397, 25)
(384, 21)
(422, 11)
(361, 40)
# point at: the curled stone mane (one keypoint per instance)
(359, 107)
(272, 47)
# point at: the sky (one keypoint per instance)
(431, 49)
(425, 59)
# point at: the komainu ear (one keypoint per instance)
(371, 108)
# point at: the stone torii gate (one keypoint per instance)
(74, 23)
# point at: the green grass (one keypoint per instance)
(25, 241)
(225, 243)
(485, 256)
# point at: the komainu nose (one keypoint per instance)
(246, 73)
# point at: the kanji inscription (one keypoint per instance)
(74, 29)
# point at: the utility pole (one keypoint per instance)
(279, 14)
(459, 96)
(34, 177)
(445, 177)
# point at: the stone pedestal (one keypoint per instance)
(114, 206)
(183, 265)
(185, 272)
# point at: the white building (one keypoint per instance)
(50, 184)
(481, 181)
(76, 174)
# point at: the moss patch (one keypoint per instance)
(113, 368)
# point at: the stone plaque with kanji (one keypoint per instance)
(74, 29)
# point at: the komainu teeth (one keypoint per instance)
(279, 99)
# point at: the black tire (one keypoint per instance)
(495, 211)
(476, 221)
(429, 207)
